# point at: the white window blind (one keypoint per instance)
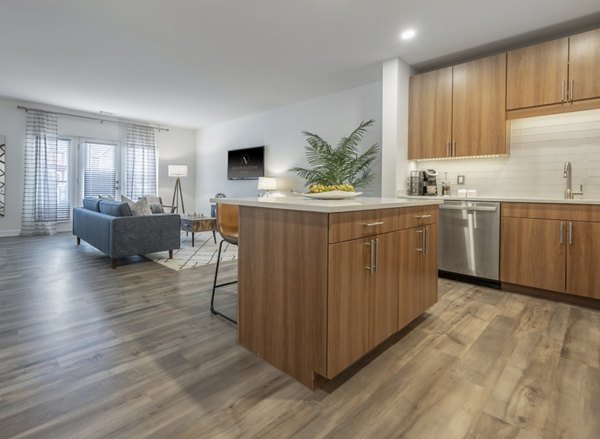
(63, 177)
(100, 169)
(141, 162)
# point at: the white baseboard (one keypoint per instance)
(15, 232)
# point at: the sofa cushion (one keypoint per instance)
(91, 203)
(114, 208)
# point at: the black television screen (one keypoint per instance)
(246, 164)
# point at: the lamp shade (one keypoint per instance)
(178, 170)
(267, 183)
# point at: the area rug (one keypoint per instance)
(203, 253)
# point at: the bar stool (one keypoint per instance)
(227, 226)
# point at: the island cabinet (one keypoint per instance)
(319, 290)
(362, 299)
(459, 111)
(418, 272)
(558, 75)
(552, 247)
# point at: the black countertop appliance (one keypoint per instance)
(428, 184)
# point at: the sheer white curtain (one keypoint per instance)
(40, 205)
(141, 162)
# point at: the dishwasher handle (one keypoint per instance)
(475, 208)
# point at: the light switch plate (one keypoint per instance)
(460, 179)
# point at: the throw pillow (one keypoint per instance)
(155, 204)
(139, 207)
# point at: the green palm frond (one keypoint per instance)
(342, 164)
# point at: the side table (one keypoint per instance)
(196, 224)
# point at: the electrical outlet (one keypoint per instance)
(460, 179)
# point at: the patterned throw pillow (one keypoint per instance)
(138, 208)
(155, 203)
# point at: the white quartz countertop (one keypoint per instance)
(328, 206)
(508, 199)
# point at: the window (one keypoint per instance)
(99, 169)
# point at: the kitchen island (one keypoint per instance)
(323, 282)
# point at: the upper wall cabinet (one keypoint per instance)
(558, 72)
(430, 114)
(478, 99)
(459, 111)
(584, 65)
(537, 75)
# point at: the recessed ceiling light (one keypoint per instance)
(407, 34)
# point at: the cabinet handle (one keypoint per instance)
(562, 90)
(422, 241)
(571, 90)
(562, 224)
(425, 240)
(570, 233)
(376, 254)
(376, 223)
(422, 216)
(370, 266)
(448, 149)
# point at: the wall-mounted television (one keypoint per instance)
(246, 164)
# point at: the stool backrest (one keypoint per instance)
(227, 220)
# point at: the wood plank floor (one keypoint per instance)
(89, 352)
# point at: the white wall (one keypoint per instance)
(394, 153)
(540, 147)
(175, 147)
(280, 130)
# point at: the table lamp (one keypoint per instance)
(267, 184)
(177, 171)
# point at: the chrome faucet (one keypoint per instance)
(569, 192)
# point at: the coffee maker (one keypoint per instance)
(428, 185)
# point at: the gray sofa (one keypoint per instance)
(109, 226)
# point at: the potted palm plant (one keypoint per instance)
(338, 167)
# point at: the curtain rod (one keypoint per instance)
(19, 107)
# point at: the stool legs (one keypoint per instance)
(215, 286)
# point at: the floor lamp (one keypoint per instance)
(177, 171)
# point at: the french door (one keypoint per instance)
(100, 168)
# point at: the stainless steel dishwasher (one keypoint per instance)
(470, 239)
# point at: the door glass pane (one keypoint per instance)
(63, 195)
(100, 169)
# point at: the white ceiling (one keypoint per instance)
(193, 63)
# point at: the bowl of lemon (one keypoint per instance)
(331, 192)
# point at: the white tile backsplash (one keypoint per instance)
(540, 146)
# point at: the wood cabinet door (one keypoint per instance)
(531, 253)
(583, 256)
(429, 268)
(348, 304)
(430, 114)
(383, 292)
(584, 65)
(479, 107)
(536, 74)
(410, 245)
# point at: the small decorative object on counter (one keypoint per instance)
(445, 189)
(413, 183)
(445, 186)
